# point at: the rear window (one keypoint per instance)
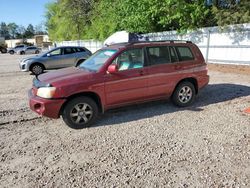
(184, 53)
(80, 50)
(158, 55)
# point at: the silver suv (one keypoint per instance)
(56, 58)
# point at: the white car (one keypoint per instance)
(29, 50)
(16, 48)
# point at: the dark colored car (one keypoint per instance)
(3, 50)
(120, 75)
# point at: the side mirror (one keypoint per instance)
(48, 54)
(113, 68)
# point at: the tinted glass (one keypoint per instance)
(80, 49)
(69, 51)
(173, 55)
(184, 53)
(130, 59)
(158, 55)
(31, 48)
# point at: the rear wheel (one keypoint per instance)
(11, 52)
(36, 52)
(80, 112)
(37, 69)
(184, 94)
(22, 52)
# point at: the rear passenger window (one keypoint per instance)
(184, 53)
(80, 49)
(158, 55)
(69, 51)
(173, 55)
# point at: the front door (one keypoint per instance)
(129, 84)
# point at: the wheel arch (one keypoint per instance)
(191, 80)
(89, 94)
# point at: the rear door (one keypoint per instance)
(129, 84)
(161, 71)
(68, 57)
(30, 50)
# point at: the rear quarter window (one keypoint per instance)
(184, 53)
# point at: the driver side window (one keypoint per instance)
(129, 59)
(55, 52)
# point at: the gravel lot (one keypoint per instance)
(149, 145)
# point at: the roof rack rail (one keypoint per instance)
(135, 42)
(171, 41)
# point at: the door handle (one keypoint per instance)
(177, 67)
(141, 72)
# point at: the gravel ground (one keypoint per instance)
(149, 145)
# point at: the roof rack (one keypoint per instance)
(138, 42)
(170, 41)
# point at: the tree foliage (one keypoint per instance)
(232, 12)
(97, 19)
(14, 31)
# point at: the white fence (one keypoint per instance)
(228, 46)
(92, 45)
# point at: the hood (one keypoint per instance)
(30, 58)
(65, 76)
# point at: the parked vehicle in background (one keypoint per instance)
(29, 50)
(56, 58)
(16, 48)
(119, 75)
(3, 50)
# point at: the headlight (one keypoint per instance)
(46, 92)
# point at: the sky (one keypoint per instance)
(23, 12)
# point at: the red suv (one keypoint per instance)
(119, 75)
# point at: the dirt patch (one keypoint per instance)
(237, 69)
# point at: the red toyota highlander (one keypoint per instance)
(119, 75)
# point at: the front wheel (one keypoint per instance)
(11, 52)
(184, 94)
(37, 69)
(80, 112)
(22, 52)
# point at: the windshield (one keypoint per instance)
(97, 60)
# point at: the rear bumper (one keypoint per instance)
(203, 81)
(45, 107)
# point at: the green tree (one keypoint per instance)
(29, 32)
(12, 27)
(4, 31)
(232, 12)
(68, 19)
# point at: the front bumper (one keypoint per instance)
(45, 107)
(23, 67)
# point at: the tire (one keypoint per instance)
(36, 52)
(184, 94)
(11, 52)
(37, 69)
(79, 62)
(80, 112)
(22, 52)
